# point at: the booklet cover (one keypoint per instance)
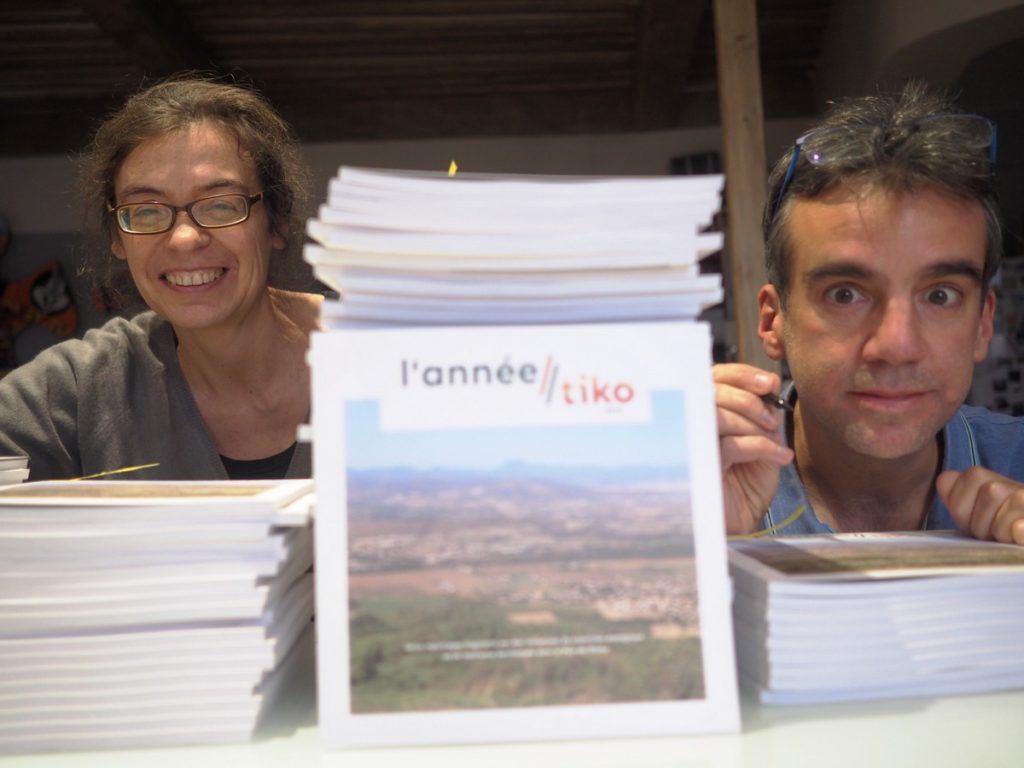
(519, 534)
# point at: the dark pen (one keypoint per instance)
(776, 402)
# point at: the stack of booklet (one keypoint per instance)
(864, 616)
(13, 469)
(433, 249)
(519, 522)
(149, 613)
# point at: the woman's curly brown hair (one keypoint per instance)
(173, 105)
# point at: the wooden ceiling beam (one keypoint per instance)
(373, 69)
(739, 93)
(666, 32)
(53, 125)
(483, 114)
(155, 34)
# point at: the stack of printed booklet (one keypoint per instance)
(149, 613)
(519, 522)
(13, 469)
(864, 616)
(431, 249)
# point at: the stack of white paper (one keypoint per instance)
(864, 616)
(519, 523)
(13, 469)
(431, 249)
(149, 613)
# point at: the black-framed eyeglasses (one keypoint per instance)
(820, 146)
(213, 212)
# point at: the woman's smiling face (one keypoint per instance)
(194, 277)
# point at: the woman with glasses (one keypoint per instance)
(882, 236)
(193, 197)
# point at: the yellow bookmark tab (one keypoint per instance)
(114, 472)
(452, 168)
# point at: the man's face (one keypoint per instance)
(885, 319)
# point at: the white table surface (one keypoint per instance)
(985, 731)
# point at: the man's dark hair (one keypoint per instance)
(910, 141)
(174, 105)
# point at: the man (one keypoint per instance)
(882, 237)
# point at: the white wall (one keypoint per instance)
(872, 43)
(38, 197)
(37, 194)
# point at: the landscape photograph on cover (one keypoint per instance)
(521, 566)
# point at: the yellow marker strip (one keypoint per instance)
(114, 472)
(769, 531)
(452, 168)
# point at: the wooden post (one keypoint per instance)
(746, 176)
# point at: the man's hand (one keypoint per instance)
(749, 442)
(984, 503)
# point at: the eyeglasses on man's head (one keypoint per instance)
(846, 144)
(213, 212)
